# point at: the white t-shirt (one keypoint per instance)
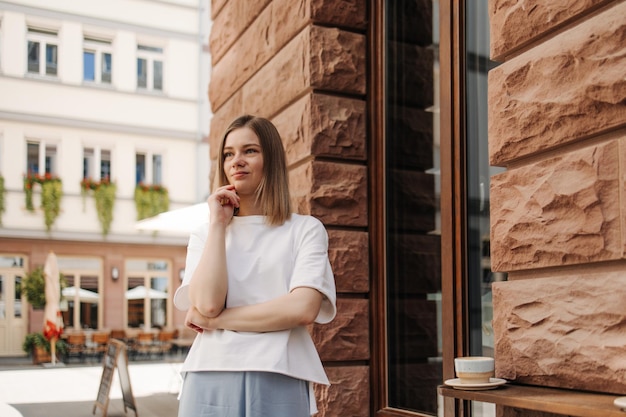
(264, 262)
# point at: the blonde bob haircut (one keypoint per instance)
(273, 191)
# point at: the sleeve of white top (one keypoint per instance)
(197, 239)
(312, 268)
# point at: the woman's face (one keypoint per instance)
(243, 160)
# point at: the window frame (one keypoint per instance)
(151, 55)
(96, 159)
(140, 268)
(44, 38)
(47, 157)
(99, 48)
(152, 171)
(453, 201)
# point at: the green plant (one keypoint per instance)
(35, 340)
(151, 200)
(29, 181)
(104, 193)
(33, 287)
(51, 193)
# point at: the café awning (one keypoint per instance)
(84, 296)
(141, 292)
(179, 221)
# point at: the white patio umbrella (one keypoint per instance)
(84, 296)
(53, 321)
(179, 221)
(141, 292)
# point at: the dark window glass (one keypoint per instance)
(33, 57)
(32, 158)
(140, 168)
(105, 165)
(158, 75)
(51, 59)
(106, 68)
(413, 270)
(142, 73)
(157, 169)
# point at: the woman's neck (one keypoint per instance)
(249, 206)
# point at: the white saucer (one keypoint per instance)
(493, 383)
(620, 402)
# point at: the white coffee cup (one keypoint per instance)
(474, 369)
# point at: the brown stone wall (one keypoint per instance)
(557, 118)
(302, 64)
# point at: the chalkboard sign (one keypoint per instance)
(115, 357)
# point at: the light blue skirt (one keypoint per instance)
(243, 394)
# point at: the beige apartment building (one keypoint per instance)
(94, 93)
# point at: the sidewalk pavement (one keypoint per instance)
(71, 391)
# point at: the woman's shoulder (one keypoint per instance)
(304, 224)
(305, 220)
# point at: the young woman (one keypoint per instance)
(256, 276)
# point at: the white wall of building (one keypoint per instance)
(72, 114)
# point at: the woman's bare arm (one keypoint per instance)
(209, 283)
(300, 307)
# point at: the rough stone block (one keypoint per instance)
(216, 7)
(514, 26)
(316, 125)
(322, 58)
(561, 211)
(565, 331)
(333, 192)
(349, 257)
(337, 60)
(233, 18)
(237, 64)
(322, 125)
(571, 87)
(342, 13)
(348, 394)
(346, 338)
(317, 58)
(622, 179)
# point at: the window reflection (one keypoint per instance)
(81, 294)
(17, 300)
(158, 301)
(412, 187)
(147, 298)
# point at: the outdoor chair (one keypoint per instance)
(164, 341)
(144, 345)
(100, 341)
(118, 334)
(76, 346)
